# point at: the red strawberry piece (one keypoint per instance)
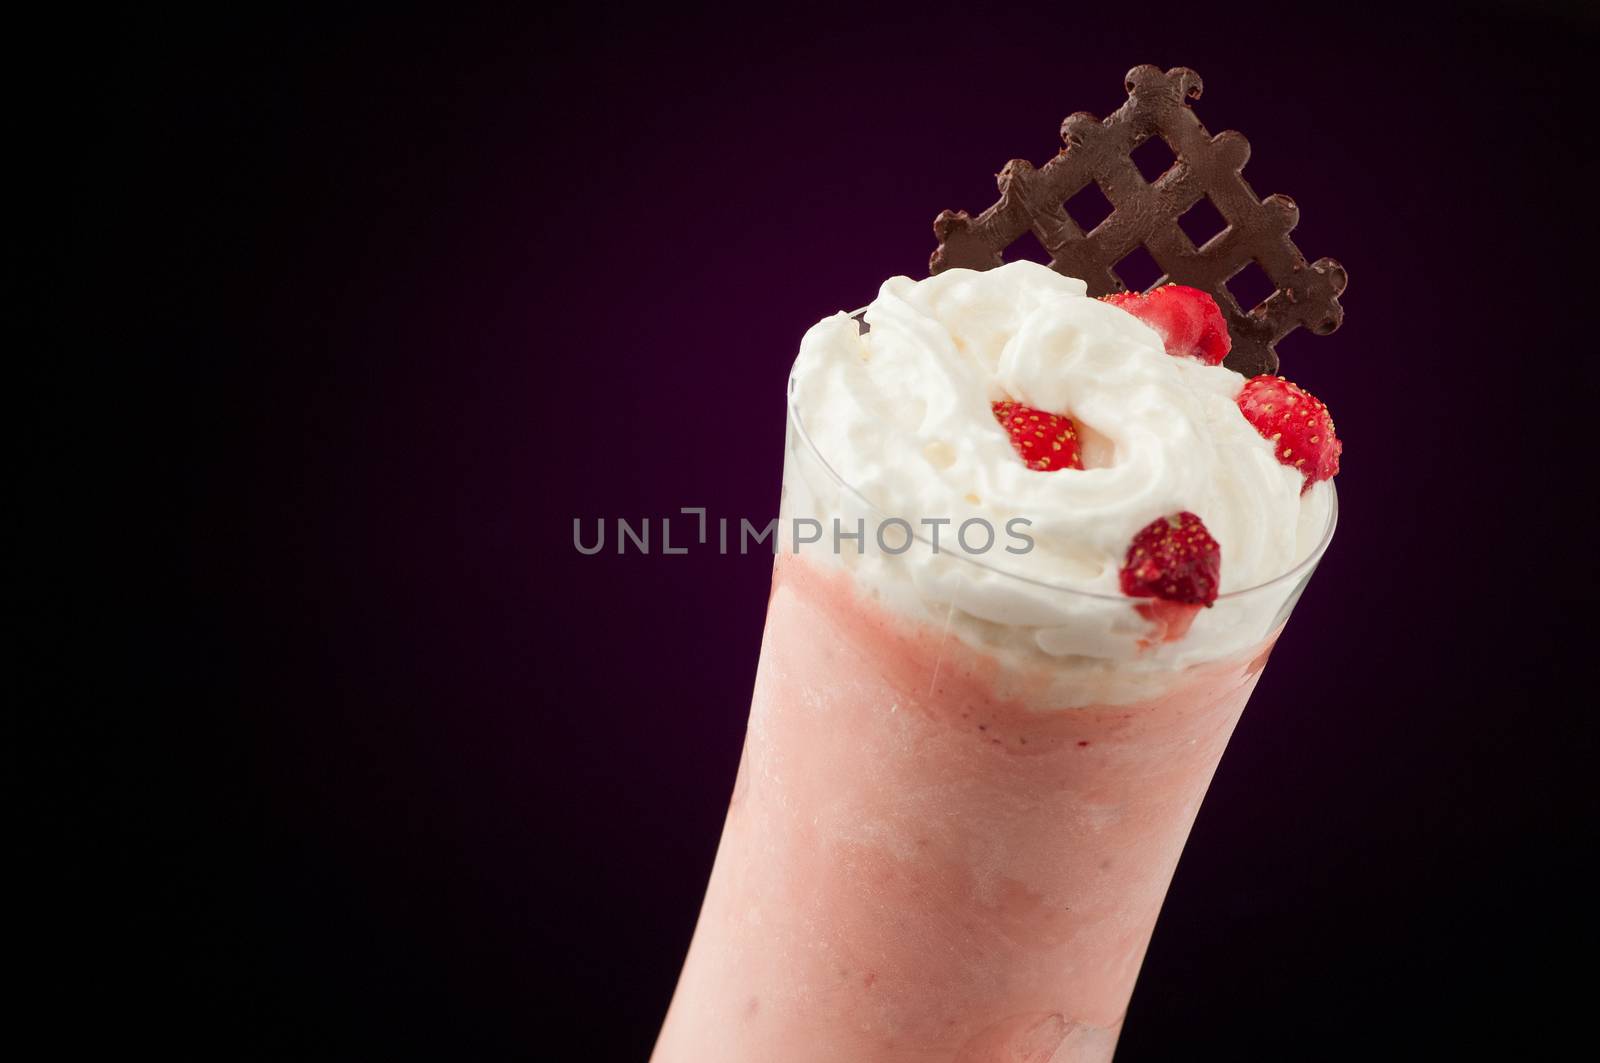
(1171, 619)
(1173, 559)
(1189, 321)
(1044, 441)
(1296, 422)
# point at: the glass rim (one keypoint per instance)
(1282, 580)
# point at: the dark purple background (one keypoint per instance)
(416, 291)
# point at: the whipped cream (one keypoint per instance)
(903, 414)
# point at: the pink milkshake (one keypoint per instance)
(969, 772)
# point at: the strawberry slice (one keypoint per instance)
(1172, 620)
(1189, 321)
(1173, 559)
(1297, 423)
(1044, 441)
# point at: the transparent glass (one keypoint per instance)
(944, 844)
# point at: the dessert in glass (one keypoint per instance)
(1036, 550)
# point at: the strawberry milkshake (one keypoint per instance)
(1037, 548)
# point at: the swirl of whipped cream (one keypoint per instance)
(903, 413)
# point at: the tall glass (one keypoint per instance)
(940, 846)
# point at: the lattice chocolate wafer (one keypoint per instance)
(1146, 214)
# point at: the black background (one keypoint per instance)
(414, 290)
